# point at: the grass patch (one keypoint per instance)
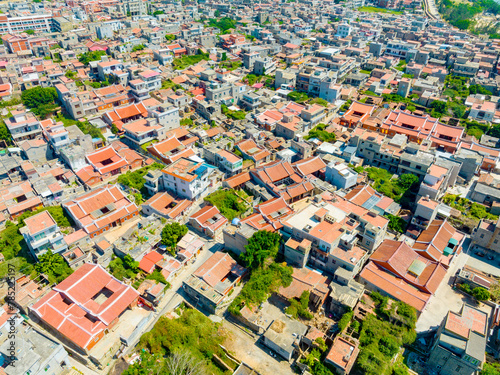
(229, 203)
(378, 10)
(392, 188)
(382, 335)
(135, 179)
(230, 65)
(184, 62)
(263, 282)
(192, 332)
(467, 208)
(320, 133)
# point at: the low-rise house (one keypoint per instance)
(36, 353)
(460, 344)
(208, 221)
(84, 307)
(340, 175)
(101, 209)
(107, 163)
(342, 354)
(250, 150)
(186, 178)
(439, 242)
(164, 205)
(398, 271)
(23, 125)
(283, 336)
(305, 279)
(188, 248)
(170, 150)
(211, 283)
(42, 233)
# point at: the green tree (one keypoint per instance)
(223, 56)
(481, 294)
(345, 320)
(217, 13)
(321, 344)
(29, 31)
(54, 266)
(439, 106)
(261, 246)
(71, 74)
(490, 369)
(397, 223)
(170, 37)
(138, 47)
(86, 57)
(157, 276)
(114, 129)
(5, 134)
(171, 234)
(41, 101)
(408, 180)
(158, 12)
(38, 96)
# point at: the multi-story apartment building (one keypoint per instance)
(186, 178)
(143, 131)
(229, 162)
(487, 235)
(42, 233)
(264, 65)
(105, 68)
(37, 22)
(23, 125)
(460, 344)
(334, 230)
(55, 133)
(140, 88)
(398, 48)
(133, 7)
(80, 104)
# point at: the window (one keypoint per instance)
(482, 235)
(458, 368)
(496, 241)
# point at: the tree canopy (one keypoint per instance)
(41, 100)
(171, 234)
(261, 246)
(54, 266)
(86, 57)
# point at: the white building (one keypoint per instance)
(42, 233)
(340, 175)
(187, 178)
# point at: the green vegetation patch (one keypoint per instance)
(320, 133)
(378, 10)
(229, 203)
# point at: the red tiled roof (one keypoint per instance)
(72, 309)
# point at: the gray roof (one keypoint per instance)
(476, 346)
(487, 190)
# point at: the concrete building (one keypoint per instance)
(36, 354)
(283, 336)
(340, 175)
(186, 178)
(297, 253)
(42, 233)
(487, 235)
(210, 284)
(460, 345)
